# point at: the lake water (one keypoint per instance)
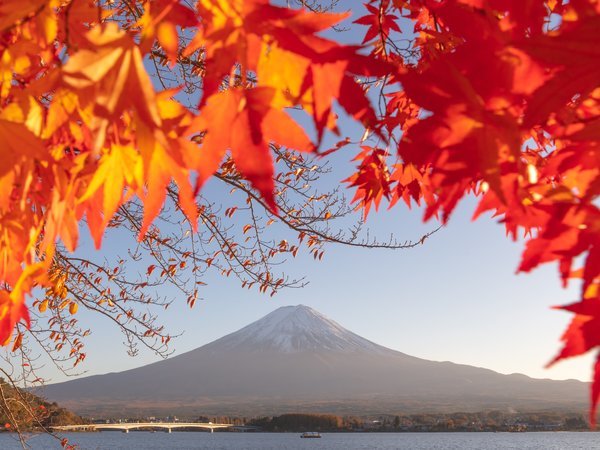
(291, 441)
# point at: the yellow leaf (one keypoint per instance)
(22, 63)
(47, 21)
(161, 164)
(111, 75)
(118, 169)
(169, 39)
(18, 143)
(285, 71)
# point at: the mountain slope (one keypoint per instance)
(296, 359)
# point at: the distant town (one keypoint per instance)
(51, 415)
(491, 421)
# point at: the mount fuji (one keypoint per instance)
(295, 329)
(296, 359)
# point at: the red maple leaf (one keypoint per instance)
(379, 22)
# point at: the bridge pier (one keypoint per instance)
(212, 429)
(126, 430)
(169, 430)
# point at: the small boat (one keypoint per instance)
(310, 434)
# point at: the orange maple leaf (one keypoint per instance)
(110, 75)
(244, 121)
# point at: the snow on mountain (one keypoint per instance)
(291, 329)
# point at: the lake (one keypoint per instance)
(143, 440)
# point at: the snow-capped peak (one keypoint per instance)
(295, 329)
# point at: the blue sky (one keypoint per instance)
(455, 298)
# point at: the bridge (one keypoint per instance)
(125, 427)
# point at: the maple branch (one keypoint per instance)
(290, 222)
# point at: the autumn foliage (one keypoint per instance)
(497, 99)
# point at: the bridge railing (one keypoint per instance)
(126, 426)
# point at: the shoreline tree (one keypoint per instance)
(495, 98)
